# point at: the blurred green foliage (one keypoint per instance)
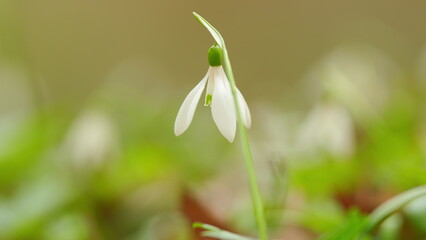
(89, 93)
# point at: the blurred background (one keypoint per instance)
(89, 91)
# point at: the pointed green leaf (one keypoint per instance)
(393, 205)
(215, 33)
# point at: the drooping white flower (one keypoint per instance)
(328, 128)
(218, 96)
(91, 140)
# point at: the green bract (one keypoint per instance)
(215, 56)
(215, 33)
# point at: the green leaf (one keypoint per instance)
(215, 232)
(213, 31)
(393, 205)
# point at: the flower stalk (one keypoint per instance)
(245, 144)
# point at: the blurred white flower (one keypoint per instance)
(218, 96)
(327, 128)
(91, 140)
(359, 76)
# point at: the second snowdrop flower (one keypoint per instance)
(218, 96)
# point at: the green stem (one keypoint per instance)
(254, 188)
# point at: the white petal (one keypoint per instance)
(186, 111)
(223, 107)
(245, 111)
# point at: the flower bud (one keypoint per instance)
(215, 56)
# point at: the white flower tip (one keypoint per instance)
(245, 111)
(186, 111)
(248, 120)
(182, 123)
(246, 117)
(228, 129)
(178, 131)
(230, 138)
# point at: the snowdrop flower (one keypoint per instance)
(91, 140)
(328, 128)
(218, 96)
